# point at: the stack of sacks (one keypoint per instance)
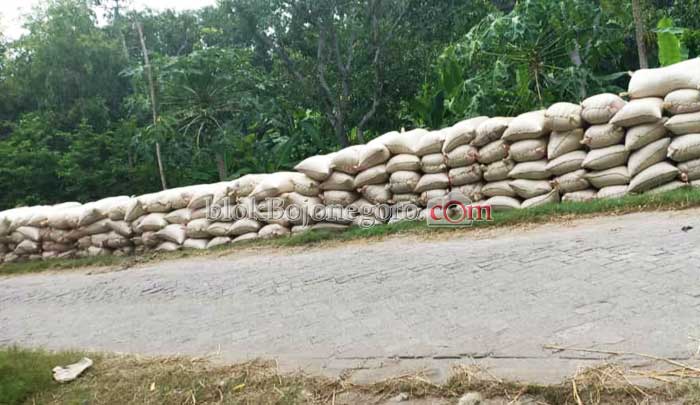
(30, 234)
(336, 172)
(495, 163)
(684, 106)
(534, 165)
(674, 89)
(240, 221)
(232, 219)
(103, 229)
(161, 220)
(607, 157)
(199, 225)
(404, 171)
(146, 216)
(93, 229)
(461, 154)
(434, 182)
(319, 168)
(605, 147)
(565, 152)
(303, 210)
(404, 166)
(527, 133)
(364, 213)
(645, 147)
(59, 238)
(304, 202)
(338, 189)
(247, 222)
(488, 131)
(357, 170)
(272, 196)
(11, 237)
(371, 186)
(21, 233)
(217, 202)
(55, 242)
(268, 204)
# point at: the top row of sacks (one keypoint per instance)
(660, 82)
(479, 131)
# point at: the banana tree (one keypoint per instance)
(540, 52)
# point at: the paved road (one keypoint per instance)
(623, 283)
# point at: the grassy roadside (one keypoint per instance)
(673, 200)
(24, 373)
(25, 378)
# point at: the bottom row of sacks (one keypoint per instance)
(582, 185)
(204, 234)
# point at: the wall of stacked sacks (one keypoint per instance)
(604, 147)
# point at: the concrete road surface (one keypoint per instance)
(494, 298)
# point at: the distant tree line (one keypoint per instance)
(95, 97)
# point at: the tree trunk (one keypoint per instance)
(154, 110)
(341, 135)
(639, 33)
(160, 167)
(221, 166)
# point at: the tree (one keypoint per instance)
(669, 41)
(257, 85)
(154, 103)
(639, 33)
(213, 94)
(68, 66)
(328, 70)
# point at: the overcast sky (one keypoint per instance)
(11, 11)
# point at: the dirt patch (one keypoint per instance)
(130, 379)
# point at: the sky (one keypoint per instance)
(11, 11)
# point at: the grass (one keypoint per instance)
(25, 378)
(672, 200)
(35, 266)
(23, 373)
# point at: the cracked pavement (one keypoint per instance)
(494, 298)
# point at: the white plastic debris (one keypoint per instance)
(71, 371)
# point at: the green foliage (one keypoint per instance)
(40, 165)
(691, 40)
(29, 163)
(75, 116)
(540, 52)
(686, 13)
(68, 66)
(668, 38)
